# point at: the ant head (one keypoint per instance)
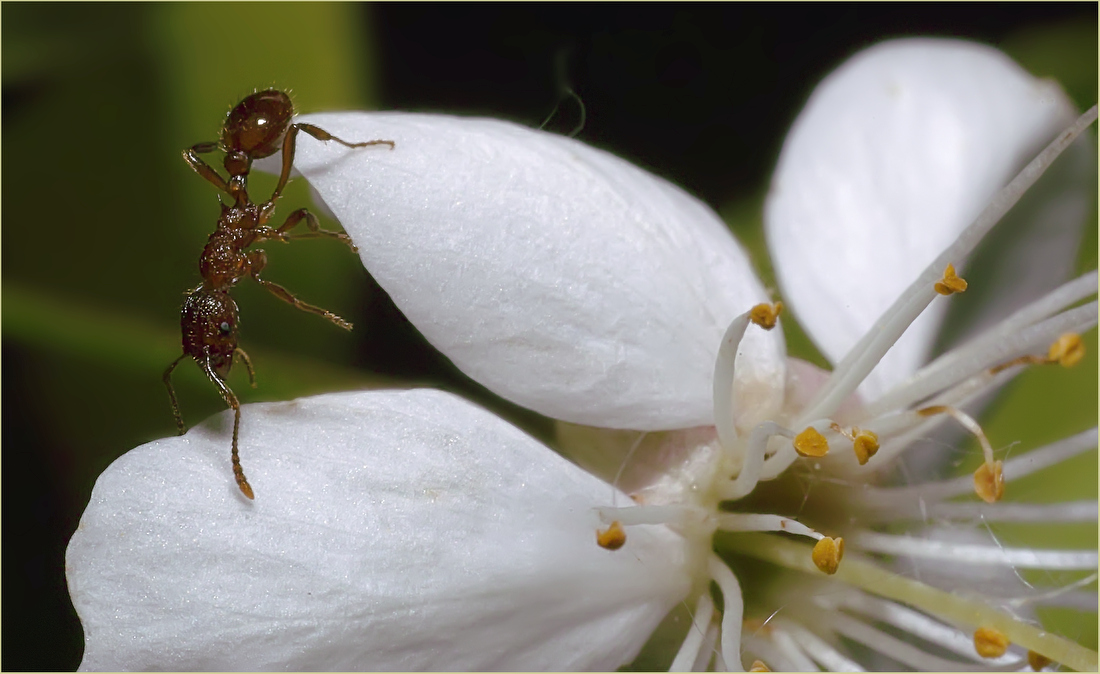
(209, 321)
(256, 126)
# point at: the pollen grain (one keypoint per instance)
(811, 443)
(827, 554)
(612, 538)
(766, 315)
(950, 283)
(990, 642)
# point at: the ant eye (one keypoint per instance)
(224, 327)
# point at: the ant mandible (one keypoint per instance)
(257, 127)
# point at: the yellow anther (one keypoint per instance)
(866, 446)
(613, 538)
(990, 642)
(1067, 350)
(989, 481)
(759, 666)
(1037, 660)
(827, 554)
(950, 283)
(765, 315)
(811, 443)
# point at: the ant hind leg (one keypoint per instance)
(172, 394)
(231, 400)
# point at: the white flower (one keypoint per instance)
(412, 530)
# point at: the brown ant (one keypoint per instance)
(257, 127)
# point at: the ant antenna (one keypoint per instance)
(565, 91)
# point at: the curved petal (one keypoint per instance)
(561, 277)
(390, 531)
(895, 153)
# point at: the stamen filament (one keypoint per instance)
(863, 357)
(673, 515)
(890, 498)
(1074, 511)
(895, 648)
(917, 624)
(724, 371)
(949, 607)
(757, 522)
(821, 651)
(993, 347)
(983, 555)
(749, 476)
(700, 623)
(967, 422)
(732, 612)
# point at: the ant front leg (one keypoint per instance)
(205, 170)
(172, 394)
(257, 260)
(314, 227)
(247, 364)
(231, 400)
(289, 144)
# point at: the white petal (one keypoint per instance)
(560, 276)
(390, 531)
(896, 152)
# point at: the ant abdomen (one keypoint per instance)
(209, 323)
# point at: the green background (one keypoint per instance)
(103, 222)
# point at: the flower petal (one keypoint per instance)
(390, 531)
(561, 277)
(894, 154)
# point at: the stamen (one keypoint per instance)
(740, 522)
(673, 515)
(611, 538)
(1037, 660)
(994, 346)
(689, 650)
(811, 443)
(950, 283)
(821, 651)
(766, 315)
(827, 554)
(863, 357)
(989, 482)
(733, 611)
(948, 606)
(981, 555)
(724, 370)
(909, 497)
(759, 666)
(1068, 350)
(914, 623)
(990, 642)
(753, 460)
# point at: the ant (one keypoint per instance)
(255, 128)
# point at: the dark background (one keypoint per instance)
(103, 223)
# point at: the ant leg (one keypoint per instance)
(172, 394)
(322, 135)
(314, 228)
(247, 364)
(191, 156)
(257, 260)
(290, 140)
(231, 400)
